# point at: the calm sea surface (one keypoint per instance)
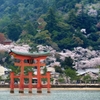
(54, 95)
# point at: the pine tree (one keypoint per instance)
(51, 21)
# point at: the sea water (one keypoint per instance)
(54, 95)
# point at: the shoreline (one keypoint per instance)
(86, 89)
(75, 89)
(63, 87)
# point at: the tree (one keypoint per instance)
(51, 79)
(28, 69)
(87, 22)
(98, 79)
(42, 37)
(0, 78)
(72, 18)
(67, 63)
(71, 73)
(86, 78)
(58, 69)
(45, 70)
(51, 21)
(4, 22)
(15, 69)
(99, 75)
(5, 59)
(93, 36)
(30, 28)
(2, 55)
(44, 80)
(14, 31)
(61, 80)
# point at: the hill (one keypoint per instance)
(62, 24)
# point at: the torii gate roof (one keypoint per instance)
(34, 54)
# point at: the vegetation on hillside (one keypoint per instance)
(59, 23)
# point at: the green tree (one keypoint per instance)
(26, 38)
(30, 28)
(99, 75)
(67, 63)
(58, 69)
(44, 80)
(42, 37)
(28, 69)
(61, 80)
(86, 78)
(71, 73)
(2, 55)
(4, 22)
(51, 21)
(93, 36)
(45, 70)
(15, 18)
(87, 22)
(51, 79)
(5, 59)
(15, 69)
(98, 79)
(0, 78)
(72, 18)
(14, 31)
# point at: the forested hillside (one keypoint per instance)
(62, 24)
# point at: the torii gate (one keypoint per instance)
(32, 60)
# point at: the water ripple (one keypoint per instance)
(54, 95)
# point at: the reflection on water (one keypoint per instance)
(54, 95)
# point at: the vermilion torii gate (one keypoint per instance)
(30, 60)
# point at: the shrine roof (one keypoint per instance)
(34, 54)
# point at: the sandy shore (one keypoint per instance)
(57, 89)
(4, 89)
(75, 88)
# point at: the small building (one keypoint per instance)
(93, 73)
(55, 77)
(7, 42)
(4, 72)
